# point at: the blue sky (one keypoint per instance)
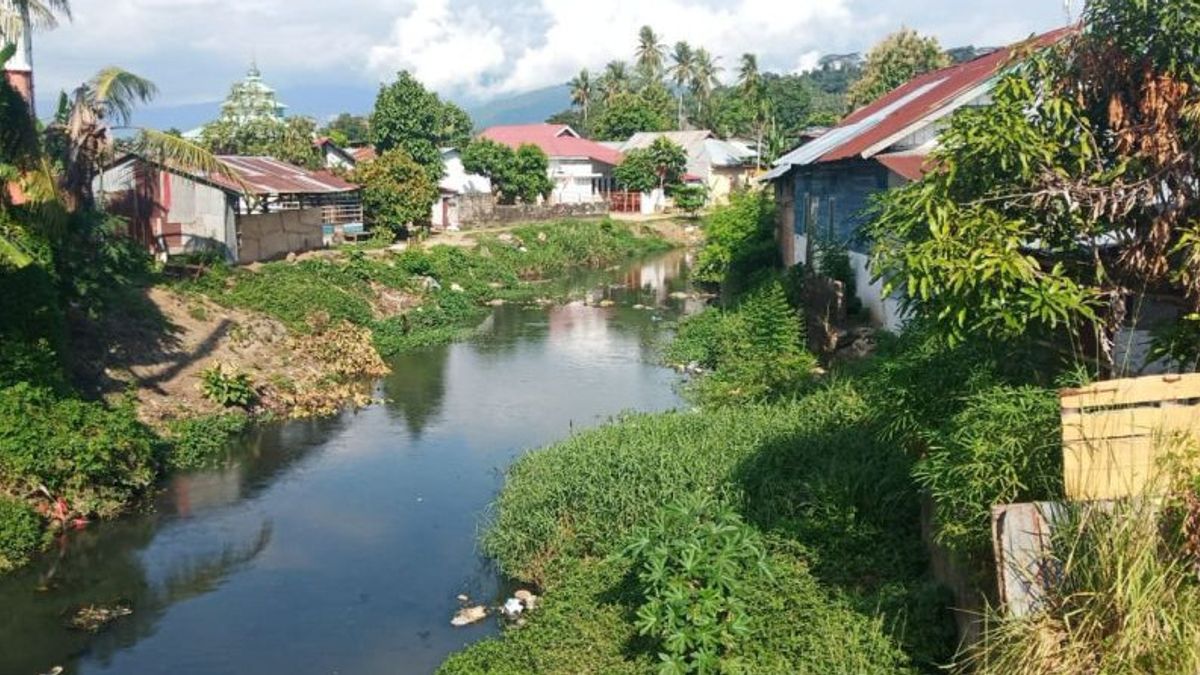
(480, 49)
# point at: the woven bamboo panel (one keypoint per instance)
(1114, 432)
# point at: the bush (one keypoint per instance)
(755, 352)
(20, 533)
(1004, 446)
(226, 387)
(202, 441)
(693, 560)
(95, 457)
(740, 240)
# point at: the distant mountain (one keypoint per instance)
(529, 107)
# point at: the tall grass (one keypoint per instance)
(1124, 599)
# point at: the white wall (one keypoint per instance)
(458, 180)
(573, 181)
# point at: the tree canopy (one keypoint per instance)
(396, 190)
(289, 141)
(627, 114)
(521, 174)
(1068, 197)
(661, 165)
(409, 116)
(897, 59)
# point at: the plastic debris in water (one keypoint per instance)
(513, 608)
(469, 615)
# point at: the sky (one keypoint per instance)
(476, 50)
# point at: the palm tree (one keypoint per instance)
(105, 104)
(749, 79)
(615, 81)
(18, 20)
(650, 54)
(704, 77)
(581, 93)
(683, 71)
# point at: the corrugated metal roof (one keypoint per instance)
(924, 98)
(556, 140)
(269, 176)
(911, 165)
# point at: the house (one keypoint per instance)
(581, 169)
(335, 157)
(720, 165)
(459, 192)
(823, 187)
(274, 208)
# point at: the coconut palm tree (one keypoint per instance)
(84, 132)
(615, 81)
(19, 19)
(749, 78)
(683, 71)
(581, 93)
(651, 55)
(704, 77)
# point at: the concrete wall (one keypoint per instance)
(478, 211)
(264, 236)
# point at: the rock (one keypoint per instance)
(469, 615)
(523, 249)
(542, 237)
(506, 237)
(513, 608)
(527, 598)
(679, 295)
(291, 257)
(457, 288)
(640, 307)
(863, 347)
(606, 303)
(93, 617)
(398, 247)
(430, 284)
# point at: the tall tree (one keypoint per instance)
(628, 114)
(650, 55)
(897, 59)
(19, 19)
(409, 116)
(347, 129)
(705, 78)
(581, 94)
(683, 72)
(749, 80)
(396, 190)
(615, 81)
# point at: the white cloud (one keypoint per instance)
(443, 48)
(807, 61)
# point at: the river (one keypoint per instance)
(340, 545)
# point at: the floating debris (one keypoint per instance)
(463, 598)
(469, 615)
(527, 598)
(93, 617)
(513, 608)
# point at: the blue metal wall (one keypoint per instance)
(831, 199)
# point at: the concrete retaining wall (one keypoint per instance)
(480, 210)
(265, 236)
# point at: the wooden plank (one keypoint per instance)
(1145, 421)
(1021, 541)
(1110, 468)
(1132, 391)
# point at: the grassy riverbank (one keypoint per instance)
(825, 472)
(91, 418)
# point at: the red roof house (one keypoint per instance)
(824, 186)
(580, 168)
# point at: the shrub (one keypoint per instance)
(690, 198)
(740, 240)
(95, 457)
(693, 560)
(1004, 446)
(20, 533)
(227, 387)
(202, 441)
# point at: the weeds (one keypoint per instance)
(201, 442)
(20, 533)
(227, 387)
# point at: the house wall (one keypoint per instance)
(266, 236)
(575, 179)
(830, 201)
(168, 213)
(724, 180)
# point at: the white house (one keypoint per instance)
(456, 187)
(720, 165)
(581, 169)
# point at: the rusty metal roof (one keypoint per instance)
(269, 176)
(874, 128)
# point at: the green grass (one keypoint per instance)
(202, 442)
(20, 533)
(500, 267)
(835, 506)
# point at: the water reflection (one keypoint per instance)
(340, 545)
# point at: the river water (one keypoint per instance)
(339, 546)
